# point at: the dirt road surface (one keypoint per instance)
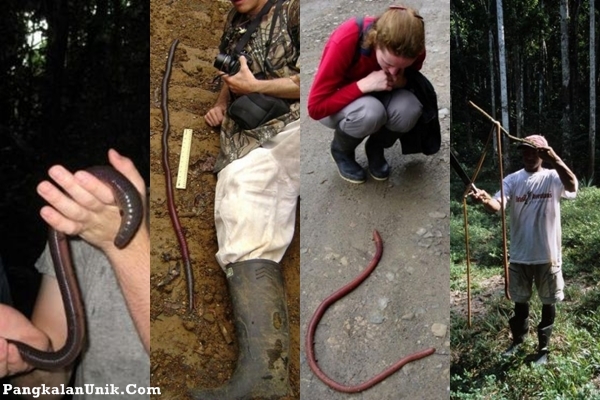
(403, 306)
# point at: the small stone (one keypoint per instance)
(226, 335)
(209, 317)
(439, 330)
(383, 302)
(408, 317)
(437, 215)
(376, 318)
(188, 325)
(421, 231)
(425, 243)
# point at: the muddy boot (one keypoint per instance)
(342, 151)
(541, 358)
(519, 328)
(374, 148)
(261, 326)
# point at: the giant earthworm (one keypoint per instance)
(314, 322)
(169, 182)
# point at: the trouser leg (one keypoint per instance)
(255, 201)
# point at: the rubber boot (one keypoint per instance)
(379, 169)
(342, 151)
(541, 358)
(519, 328)
(262, 331)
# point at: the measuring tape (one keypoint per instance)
(184, 159)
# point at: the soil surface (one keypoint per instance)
(197, 350)
(403, 307)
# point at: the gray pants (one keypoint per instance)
(398, 111)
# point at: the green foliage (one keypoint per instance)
(478, 369)
(581, 234)
(485, 235)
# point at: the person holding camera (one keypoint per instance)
(533, 194)
(258, 171)
(360, 86)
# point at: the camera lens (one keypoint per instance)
(222, 62)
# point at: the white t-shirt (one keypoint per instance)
(535, 229)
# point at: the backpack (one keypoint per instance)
(425, 137)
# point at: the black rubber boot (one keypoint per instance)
(342, 151)
(379, 169)
(261, 326)
(541, 358)
(519, 327)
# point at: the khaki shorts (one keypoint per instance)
(548, 282)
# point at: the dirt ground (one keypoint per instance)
(403, 306)
(197, 350)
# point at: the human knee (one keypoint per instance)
(368, 117)
(403, 112)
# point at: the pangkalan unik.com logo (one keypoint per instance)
(89, 389)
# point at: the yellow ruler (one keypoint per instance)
(184, 159)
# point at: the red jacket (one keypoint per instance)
(334, 86)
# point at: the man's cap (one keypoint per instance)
(534, 141)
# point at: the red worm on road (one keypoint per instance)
(314, 322)
(185, 255)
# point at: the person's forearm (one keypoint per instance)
(285, 88)
(37, 377)
(132, 268)
(492, 205)
(224, 96)
(567, 177)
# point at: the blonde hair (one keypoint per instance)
(400, 30)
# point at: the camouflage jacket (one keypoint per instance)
(282, 55)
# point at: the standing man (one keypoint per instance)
(533, 194)
(258, 185)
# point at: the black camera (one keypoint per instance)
(230, 64)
